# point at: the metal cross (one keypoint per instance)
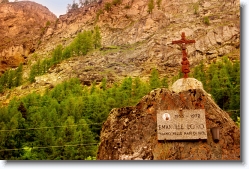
(185, 63)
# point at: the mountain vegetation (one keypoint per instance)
(65, 121)
(222, 81)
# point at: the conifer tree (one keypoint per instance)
(215, 86)
(164, 82)
(96, 38)
(154, 79)
(11, 79)
(103, 84)
(150, 6)
(18, 73)
(32, 74)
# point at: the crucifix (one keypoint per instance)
(185, 63)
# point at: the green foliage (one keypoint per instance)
(116, 2)
(164, 82)
(96, 38)
(206, 20)
(11, 78)
(159, 3)
(150, 6)
(48, 23)
(238, 122)
(66, 121)
(154, 79)
(222, 81)
(196, 8)
(108, 6)
(99, 12)
(82, 44)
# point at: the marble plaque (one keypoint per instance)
(181, 124)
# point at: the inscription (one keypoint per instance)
(195, 126)
(172, 126)
(195, 115)
(184, 125)
(179, 116)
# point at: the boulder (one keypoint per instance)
(130, 133)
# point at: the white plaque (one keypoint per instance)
(181, 124)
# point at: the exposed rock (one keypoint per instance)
(130, 133)
(142, 41)
(154, 32)
(185, 84)
(21, 26)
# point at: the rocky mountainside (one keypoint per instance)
(143, 40)
(134, 41)
(130, 133)
(22, 24)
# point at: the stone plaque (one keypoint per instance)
(181, 124)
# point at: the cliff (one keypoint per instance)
(22, 24)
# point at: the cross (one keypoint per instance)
(185, 63)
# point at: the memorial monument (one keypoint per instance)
(183, 42)
(155, 129)
(179, 123)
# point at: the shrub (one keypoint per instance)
(99, 12)
(196, 8)
(206, 20)
(158, 2)
(127, 7)
(150, 6)
(108, 6)
(48, 24)
(116, 2)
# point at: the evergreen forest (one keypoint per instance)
(64, 123)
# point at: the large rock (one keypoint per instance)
(130, 133)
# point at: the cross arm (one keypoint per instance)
(183, 41)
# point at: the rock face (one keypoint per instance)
(216, 31)
(130, 133)
(22, 24)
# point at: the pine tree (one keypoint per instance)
(67, 53)
(18, 73)
(57, 54)
(103, 84)
(164, 82)
(96, 38)
(32, 74)
(11, 79)
(154, 79)
(150, 6)
(215, 86)
(5, 78)
(158, 2)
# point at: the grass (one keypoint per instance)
(196, 8)
(206, 20)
